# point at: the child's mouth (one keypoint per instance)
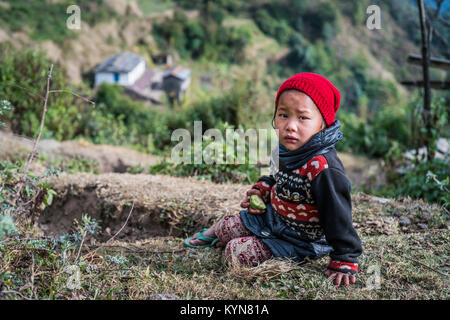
(291, 140)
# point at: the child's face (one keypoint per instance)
(297, 117)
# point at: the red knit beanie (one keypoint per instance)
(324, 94)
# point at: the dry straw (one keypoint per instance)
(266, 270)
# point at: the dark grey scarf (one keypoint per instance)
(320, 143)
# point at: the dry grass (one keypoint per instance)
(410, 262)
(163, 265)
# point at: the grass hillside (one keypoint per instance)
(148, 220)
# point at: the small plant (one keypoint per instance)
(443, 187)
(73, 165)
(118, 260)
(217, 171)
(34, 197)
(428, 180)
(5, 105)
(86, 225)
(135, 170)
(7, 226)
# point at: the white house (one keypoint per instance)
(130, 71)
(123, 68)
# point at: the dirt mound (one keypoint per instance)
(163, 205)
(109, 158)
(172, 206)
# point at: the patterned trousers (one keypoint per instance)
(241, 245)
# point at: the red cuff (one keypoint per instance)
(342, 266)
(265, 188)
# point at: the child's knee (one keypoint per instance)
(230, 227)
(248, 251)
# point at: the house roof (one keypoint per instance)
(144, 81)
(122, 62)
(178, 72)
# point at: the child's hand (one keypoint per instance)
(246, 202)
(339, 276)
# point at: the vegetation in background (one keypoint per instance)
(73, 165)
(34, 197)
(50, 24)
(214, 166)
(204, 38)
(428, 180)
(22, 79)
(149, 7)
(375, 120)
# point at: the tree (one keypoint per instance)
(426, 29)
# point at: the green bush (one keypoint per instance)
(301, 56)
(23, 78)
(278, 29)
(35, 195)
(50, 24)
(373, 137)
(233, 107)
(218, 171)
(428, 180)
(5, 105)
(118, 119)
(203, 39)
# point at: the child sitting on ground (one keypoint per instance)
(307, 194)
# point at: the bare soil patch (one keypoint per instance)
(163, 205)
(173, 206)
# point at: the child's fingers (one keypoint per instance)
(245, 204)
(255, 211)
(353, 279)
(346, 280)
(246, 201)
(338, 279)
(253, 191)
(330, 274)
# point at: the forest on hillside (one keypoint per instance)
(238, 53)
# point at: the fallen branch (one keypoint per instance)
(73, 93)
(136, 249)
(131, 210)
(14, 292)
(81, 245)
(123, 226)
(424, 265)
(36, 249)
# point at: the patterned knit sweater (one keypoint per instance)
(315, 201)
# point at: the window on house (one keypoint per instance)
(116, 77)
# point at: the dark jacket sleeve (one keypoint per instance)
(269, 179)
(331, 191)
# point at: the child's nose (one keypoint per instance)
(291, 124)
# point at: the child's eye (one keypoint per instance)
(302, 118)
(282, 115)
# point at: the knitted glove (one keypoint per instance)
(344, 267)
